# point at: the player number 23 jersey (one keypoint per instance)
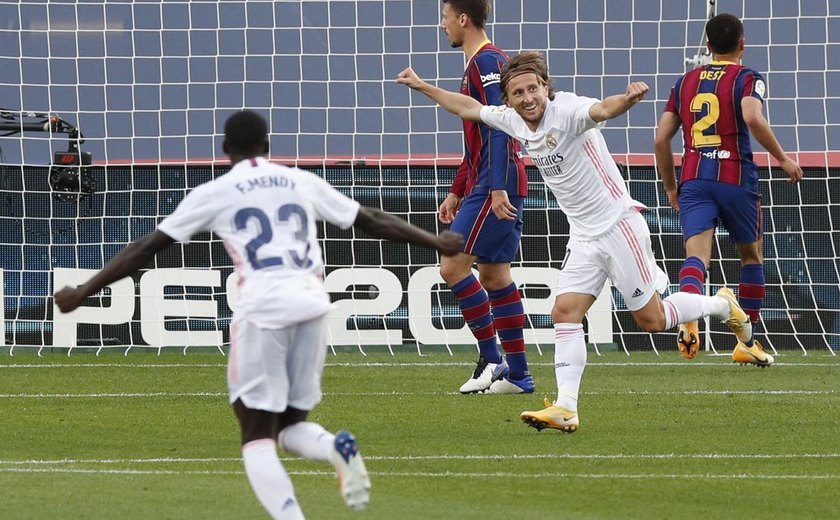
(266, 215)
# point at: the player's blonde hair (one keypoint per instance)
(525, 63)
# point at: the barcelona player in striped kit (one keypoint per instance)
(485, 205)
(718, 105)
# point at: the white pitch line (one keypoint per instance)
(446, 474)
(717, 392)
(116, 395)
(115, 365)
(614, 456)
(456, 457)
(619, 392)
(164, 460)
(607, 476)
(589, 364)
(405, 365)
(121, 395)
(122, 471)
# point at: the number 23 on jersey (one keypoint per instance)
(287, 215)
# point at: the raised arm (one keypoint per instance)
(751, 108)
(618, 104)
(462, 106)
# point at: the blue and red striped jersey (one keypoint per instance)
(491, 157)
(716, 138)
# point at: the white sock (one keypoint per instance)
(569, 361)
(717, 307)
(269, 479)
(683, 307)
(309, 440)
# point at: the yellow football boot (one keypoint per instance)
(688, 339)
(552, 416)
(738, 321)
(754, 355)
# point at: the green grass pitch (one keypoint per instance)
(146, 436)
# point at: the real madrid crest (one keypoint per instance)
(550, 141)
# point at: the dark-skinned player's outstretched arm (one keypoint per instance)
(374, 222)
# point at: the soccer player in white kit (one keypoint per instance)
(608, 236)
(266, 215)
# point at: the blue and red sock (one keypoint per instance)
(751, 292)
(693, 275)
(509, 320)
(475, 307)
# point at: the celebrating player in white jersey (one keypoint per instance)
(608, 236)
(266, 215)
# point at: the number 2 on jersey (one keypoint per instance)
(286, 214)
(710, 102)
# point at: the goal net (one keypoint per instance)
(145, 87)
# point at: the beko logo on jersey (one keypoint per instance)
(489, 79)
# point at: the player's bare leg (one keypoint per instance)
(474, 302)
(569, 363)
(268, 477)
(659, 315)
(311, 441)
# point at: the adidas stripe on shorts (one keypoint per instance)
(623, 255)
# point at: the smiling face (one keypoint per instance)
(528, 95)
(451, 23)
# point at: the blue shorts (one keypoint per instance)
(706, 204)
(486, 237)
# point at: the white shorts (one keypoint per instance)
(623, 255)
(271, 369)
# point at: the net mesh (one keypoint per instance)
(150, 84)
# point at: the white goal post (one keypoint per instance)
(149, 84)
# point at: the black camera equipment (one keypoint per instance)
(69, 174)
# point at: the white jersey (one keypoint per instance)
(266, 215)
(572, 157)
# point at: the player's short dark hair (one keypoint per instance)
(723, 32)
(477, 10)
(524, 63)
(246, 131)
